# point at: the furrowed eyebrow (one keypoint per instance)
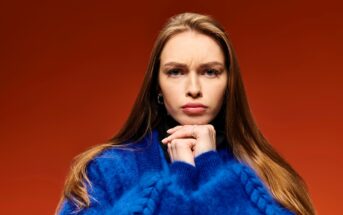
(209, 64)
(174, 64)
(213, 63)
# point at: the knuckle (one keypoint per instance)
(172, 144)
(179, 144)
(210, 128)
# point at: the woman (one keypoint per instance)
(190, 144)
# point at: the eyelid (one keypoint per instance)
(169, 71)
(215, 71)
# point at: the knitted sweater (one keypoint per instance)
(137, 179)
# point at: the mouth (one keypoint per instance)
(194, 108)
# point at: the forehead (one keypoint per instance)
(191, 46)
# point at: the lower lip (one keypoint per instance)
(194, 110)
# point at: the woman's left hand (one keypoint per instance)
(205, 136)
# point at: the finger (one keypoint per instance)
(182, 150)
(180, 146)
(170, 152)
(172, 149)
(184, 132)
(171, 130)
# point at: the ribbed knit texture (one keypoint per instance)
(141, 181)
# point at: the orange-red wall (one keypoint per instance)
(70, 71)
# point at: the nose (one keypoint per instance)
(193, 86)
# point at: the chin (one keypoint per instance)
(193, 120)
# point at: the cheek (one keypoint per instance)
(217, 94)
(171, 96)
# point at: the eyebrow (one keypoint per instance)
(213, 63)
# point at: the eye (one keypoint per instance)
(211, 72)
(174, 72)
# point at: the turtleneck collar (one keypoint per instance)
(168, 122)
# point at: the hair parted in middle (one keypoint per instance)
(245, 139)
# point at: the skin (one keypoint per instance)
(192, 70)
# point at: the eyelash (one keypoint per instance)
(215, 72)
(172, 72)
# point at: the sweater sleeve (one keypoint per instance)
(180, 184)
(236, 186)
(154, 193)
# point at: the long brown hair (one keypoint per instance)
(245, 139)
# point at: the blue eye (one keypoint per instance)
(211, 72)
(174, 72)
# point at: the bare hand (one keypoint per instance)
(189, 141)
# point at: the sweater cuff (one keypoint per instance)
(207, 164)
(185, 174)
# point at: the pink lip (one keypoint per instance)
(194, 108)
(194, 105)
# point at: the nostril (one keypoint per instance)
(194, 94)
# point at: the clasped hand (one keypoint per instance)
(186, 142)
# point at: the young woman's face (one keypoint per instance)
(192, 77)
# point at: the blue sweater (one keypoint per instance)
(139, 180)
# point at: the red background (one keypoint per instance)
(70, 71)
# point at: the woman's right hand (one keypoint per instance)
(181, 149)
(189, 141)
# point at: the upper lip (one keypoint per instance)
(194, 105)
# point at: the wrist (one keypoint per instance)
(188, 161)
(199, 152)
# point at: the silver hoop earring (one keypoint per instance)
(160, 99)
